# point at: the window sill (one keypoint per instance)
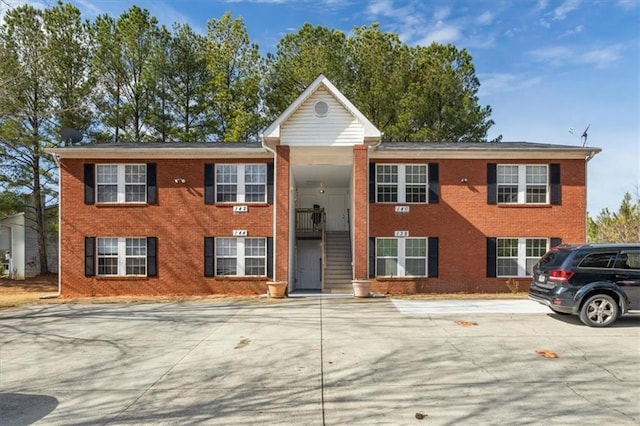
(524, 206)
(240, 278)
(394, 278)
(122, 277)
(121, 204)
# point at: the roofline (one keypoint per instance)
(154, 151)
(482, 150)
(272, 133)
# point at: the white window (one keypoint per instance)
(241, 256)
(523, 184)
(401, 257)
(121, 183)
(401, 183)
(241, 183)
(122, 256)
(516, 256)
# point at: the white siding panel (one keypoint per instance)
(338, 128)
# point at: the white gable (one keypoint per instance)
(321, 116)
(337, 128)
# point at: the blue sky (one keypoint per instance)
(545, 66)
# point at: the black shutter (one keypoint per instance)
(152, 186)
(433, 257)
(555, 241)
(209, 184)
(372, 182)
(209, 247)
(89, 256)
(270, 257)
(554, 180)
(152, 256)
(434, 183)
(492, 183)
(492, 256)
(372, 257)
(89, 183)
(270, 183)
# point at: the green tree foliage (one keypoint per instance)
(410, 93)
(235, 70)
(299, 58)
(183, 76)
(124, 59)
(43, 87)
(621, 226)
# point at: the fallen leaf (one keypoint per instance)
(242, 343)
(466, 323)
(421, 416)
(547, 353)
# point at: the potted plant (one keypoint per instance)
(277, 289)
(361, 288)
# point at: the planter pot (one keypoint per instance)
(361, 288)
(277, 289)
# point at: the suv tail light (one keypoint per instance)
(560, 275)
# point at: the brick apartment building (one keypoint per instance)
(319, 203)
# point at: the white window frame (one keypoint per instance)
(121, 256)
(401, 183)
(522, 183)
(241, 255)
(121, 197)
(402, 256)
(241, 184)
(521, 256)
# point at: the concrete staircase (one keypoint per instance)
(338, 272)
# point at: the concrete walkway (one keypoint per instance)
(312, 362)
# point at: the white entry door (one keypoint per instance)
(309, 265)
(336, 210)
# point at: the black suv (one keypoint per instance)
(598, 282)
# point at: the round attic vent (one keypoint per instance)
(321, 108)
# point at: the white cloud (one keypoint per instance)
(576, 30)
(601, 58)
(628, 4)
(380, 7)
(441, 13)
(556, 55)
(561, 11)
(491, 84)
(562, 55)
(484, 19)
(441, 34)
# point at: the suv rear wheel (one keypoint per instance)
(599, 310)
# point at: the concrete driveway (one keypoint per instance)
(313, 361)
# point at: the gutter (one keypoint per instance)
(275, 203)
(56, 159)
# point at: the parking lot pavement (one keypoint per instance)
(313, 361)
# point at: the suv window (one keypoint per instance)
(598, 260)
(628, 260)
(554, 258)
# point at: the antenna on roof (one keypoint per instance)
(583, 136)
(70, 136)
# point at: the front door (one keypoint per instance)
(336, 209)
(309, 265)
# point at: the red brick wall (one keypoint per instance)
(180, 221)
(282, 199)
(360, 201)
(463, 220)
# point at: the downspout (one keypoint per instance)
(586, 195)
(56, 159)
(275, 204)
(371, 148)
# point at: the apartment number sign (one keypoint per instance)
(239, 232)
(401, 233)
